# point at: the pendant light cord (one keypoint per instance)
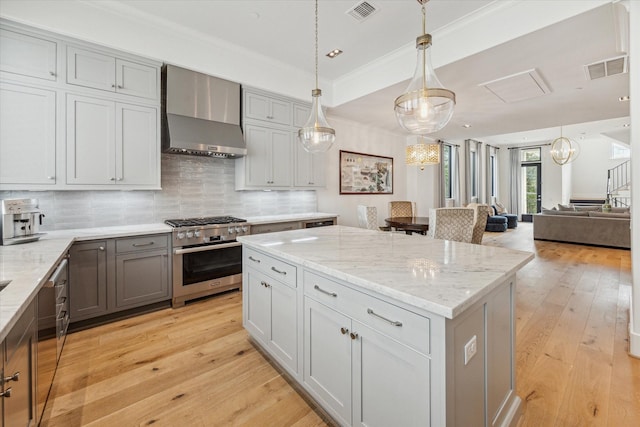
(424, 54)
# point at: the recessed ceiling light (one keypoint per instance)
(334, 53)
(623, 98)
(466, 125)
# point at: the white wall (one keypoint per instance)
(352, 136)
(589, 171)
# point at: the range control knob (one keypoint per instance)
(232, 230)
(238, 230)
(180, 235)
(197, 233)
(189, 234)
(245, 229)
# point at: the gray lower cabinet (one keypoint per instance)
(112, 275)
(18, 377)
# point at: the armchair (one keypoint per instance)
(481, 214)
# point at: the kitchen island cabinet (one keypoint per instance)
(394, 330)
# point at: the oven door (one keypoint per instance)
(203, 270)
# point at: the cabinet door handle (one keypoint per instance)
(52, 73)
(120, 87)
(284, 273)
(254, 259)
(113, 85)
(137, 245)
(14, 377)
(6, 393)
(119, 179)
(344, 331)
(113, 178)
(101, 248)
(353, 335)
(51, 177)
(319, 289)
(391, 322)
(265, 284)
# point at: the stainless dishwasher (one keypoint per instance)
(53, 320)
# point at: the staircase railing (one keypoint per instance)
(619, 179)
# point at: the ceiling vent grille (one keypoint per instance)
(362, 10)
(608, 67)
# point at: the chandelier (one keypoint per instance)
(564, 150)
(426, 107)
(316, 135)
(422, 154)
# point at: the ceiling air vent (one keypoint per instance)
(362, 10)
(608, 67)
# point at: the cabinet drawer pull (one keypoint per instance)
(319, 289)
(137, 245)
(391, 322)
(120, 87)
(254, 260)
(14, 377)
(52, 73)
(284, 273)
(353, 335)
(6, 393)
(344, 331)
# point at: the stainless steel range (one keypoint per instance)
(207, 259)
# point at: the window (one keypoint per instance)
(530, 155)
(447, 164)
(619, 151)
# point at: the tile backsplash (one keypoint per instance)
(191, 186)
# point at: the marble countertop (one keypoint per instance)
(439, 276)
(29, 265)
(270, 219)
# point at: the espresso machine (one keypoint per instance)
(21, 221)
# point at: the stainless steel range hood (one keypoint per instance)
(201, 114)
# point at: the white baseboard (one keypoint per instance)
(634, 336)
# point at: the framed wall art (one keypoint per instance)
(365, 173)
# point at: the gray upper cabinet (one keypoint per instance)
(275, 159)
(99, 71)
(25, 55)
(97, 127)
(27, 135)
(259, 106)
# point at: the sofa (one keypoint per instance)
(584, 227)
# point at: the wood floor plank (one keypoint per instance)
(194, 365)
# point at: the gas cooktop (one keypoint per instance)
(210, 220)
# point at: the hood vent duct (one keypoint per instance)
(201, 114)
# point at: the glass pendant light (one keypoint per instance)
(426, 107)
(564, 150)
(422, 154)
(316, 136)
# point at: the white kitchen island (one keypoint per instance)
(385, 329)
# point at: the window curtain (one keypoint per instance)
(440, 178)
(455, 176)
(464, 200)
(479, 163)
(514, 184)
(491, 151)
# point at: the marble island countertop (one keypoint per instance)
(439, 276)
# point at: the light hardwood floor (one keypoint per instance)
(194, 366)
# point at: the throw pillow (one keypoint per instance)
(565, 207)
(500, 209)
(588, 208)
(609, 215)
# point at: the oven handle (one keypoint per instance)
(206, 248)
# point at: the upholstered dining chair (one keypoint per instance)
(402, 209)
(368, 218)
(451, 224)
(480, 214)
